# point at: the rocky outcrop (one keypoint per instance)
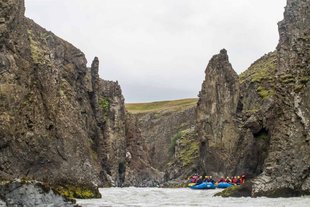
(262, 119)
(216, 114)
(113, 145)
(59, 122)
(159, 142)
(184, 156)
(29, 194)
(139, 170)
(287, 169)
(158, 129)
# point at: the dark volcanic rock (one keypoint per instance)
(59, 122)
(139, 171)
(31, 194)
(262, 127)
(216, 110)
(158, 129)
(287, 169)
(159, 146)
(112, 146)
(184, 159)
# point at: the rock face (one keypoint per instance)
(112, 147)
(184, 160)
(216, 110)
(287, 169)
(259, 124)
(152, 145)
(139, 171)
(30, 194)
(158, 129)
(59, 122)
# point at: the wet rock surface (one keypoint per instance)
(31, 194)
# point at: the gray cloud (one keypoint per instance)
(158, 49)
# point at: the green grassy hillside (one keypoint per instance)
(161, 105)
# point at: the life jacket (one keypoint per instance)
(234, 180)
(242, 179)
(221, 180)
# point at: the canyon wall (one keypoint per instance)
(59, 122)
(258, 124)
(159, 128)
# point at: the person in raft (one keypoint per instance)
(238, 180)
(193, 178)
(221, 180)
(228, 180)
(211, 180)
(242, 179)
(199, 181)
(234, 180)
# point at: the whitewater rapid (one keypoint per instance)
(151, 197)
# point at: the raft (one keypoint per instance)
(224, 185)
(191, 184)
(204, 185)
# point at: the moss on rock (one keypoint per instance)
(39, 51)
(244, 190)
(261, 70)
(264, 92)
(105, 105)
(186, 148)
(287, 78)
(70, 191)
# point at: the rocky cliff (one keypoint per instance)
(59, 122)
(139, 171)
(63, 125)
(216, 110)
(287, 167)
(163, 127)
(158, 130)
(258, 123)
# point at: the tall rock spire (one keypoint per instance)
(218, 100)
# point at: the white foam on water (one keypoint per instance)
(151, 197)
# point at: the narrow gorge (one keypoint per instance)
(64, 127)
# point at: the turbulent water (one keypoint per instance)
(149, 197)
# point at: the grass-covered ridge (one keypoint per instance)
(161, 105)
(262, 74)
(261, 70)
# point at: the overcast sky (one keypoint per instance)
(159, 49)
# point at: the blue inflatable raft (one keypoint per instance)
(224, 185)
(204, 185)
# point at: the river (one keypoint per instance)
(151, 197)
